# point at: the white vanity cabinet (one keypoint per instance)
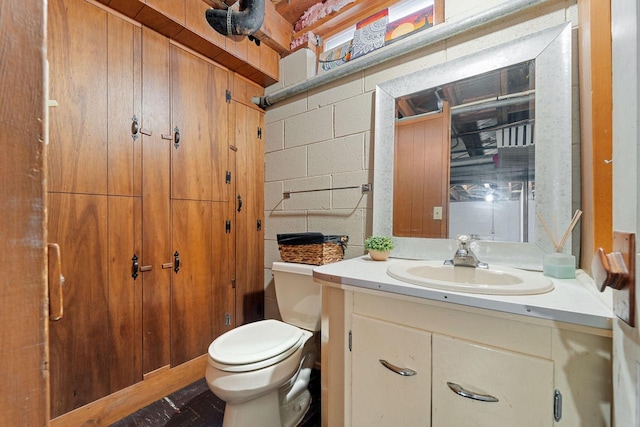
(519, 360)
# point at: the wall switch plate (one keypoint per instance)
(437, 212)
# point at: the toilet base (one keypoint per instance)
(292, 413)
(266, 411)
(263, 411)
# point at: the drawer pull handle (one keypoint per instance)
(457, 389)
(405, 372)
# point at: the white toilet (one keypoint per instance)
(262, 369)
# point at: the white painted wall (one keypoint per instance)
(625, 16)
(324, 138)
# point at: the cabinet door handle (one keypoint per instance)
(405, 372)
(135, 266)
(457, 389)
(135, 127)
(239, 203)
(176, 262)
(176, 137)
(55, 282)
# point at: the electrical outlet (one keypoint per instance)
(437, 213)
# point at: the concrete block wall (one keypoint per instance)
(324, 138)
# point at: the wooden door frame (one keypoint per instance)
(596, 128)
(24, 393)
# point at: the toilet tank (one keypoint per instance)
(299, 297)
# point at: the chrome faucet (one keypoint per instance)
(464, 256)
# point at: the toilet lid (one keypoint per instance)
(254, 342)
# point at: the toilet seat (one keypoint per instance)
(255, 346)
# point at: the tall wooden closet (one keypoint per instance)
(248, 151)
(149, 160)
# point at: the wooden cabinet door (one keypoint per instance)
(156, 208)
(249, 213)
(77, 53)
(202, 293)
(95, 78)
(124, 296)
(191, 296)
(522, 384)
(421, 175)
(199, 116)
(380, 396)
(223, 316)
(79, 342)
(124, 70)
(191, 157)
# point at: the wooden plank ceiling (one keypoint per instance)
(282, 15)
(292, 10)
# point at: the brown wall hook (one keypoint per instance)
(618, 271)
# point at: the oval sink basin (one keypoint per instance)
(496, 280)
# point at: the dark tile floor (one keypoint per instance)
(196, 406)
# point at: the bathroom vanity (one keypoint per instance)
(395, 353)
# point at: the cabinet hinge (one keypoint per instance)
(233, 283)
(557, 405)
(350, 340)
(227, 177)
(259, 132)
(227, 226)
(228, 96)
(259, 225)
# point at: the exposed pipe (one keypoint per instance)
(243, 22)
(425, 38)
(472, 107)
(498, 103)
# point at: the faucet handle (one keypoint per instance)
(463, 241)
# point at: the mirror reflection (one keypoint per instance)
(477, 113)
(465, 158)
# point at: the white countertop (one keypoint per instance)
(572, 300)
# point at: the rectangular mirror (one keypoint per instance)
(465, 158)
(497, 154)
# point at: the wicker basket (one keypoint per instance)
(312, 248)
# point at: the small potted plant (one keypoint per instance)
(378, 247)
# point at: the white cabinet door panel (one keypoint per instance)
(522, 384)
(381, 397)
